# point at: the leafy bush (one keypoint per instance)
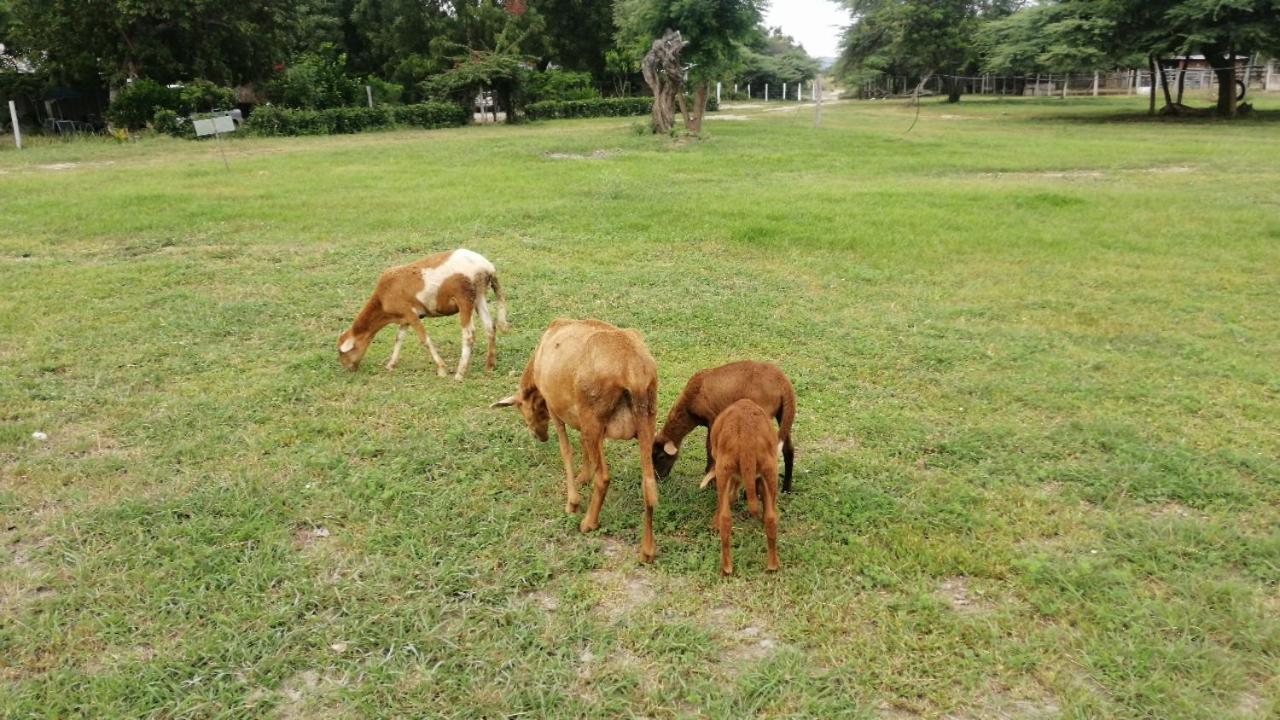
(274, 120)
(316, 81)
(171, 123)
(560, 85)
(384, 93)
(204, 96)
(136, 104)
(598, 107)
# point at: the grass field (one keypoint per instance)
(1036, 347)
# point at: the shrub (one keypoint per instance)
(384, 93)
(316, 81)
(560, 85)
(204, 96)
(274, 120)
(171, 123)
(136, 104)
(598, 107)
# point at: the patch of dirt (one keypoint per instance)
(833, 445)
(307, 694)
(625, 584)
(749, 641)
(544, 600)
(1170, 169)
(997, 703)
(1175, 510)
(1051, 174)
(24, 580)
(957, 593)
(726, 116)
(306, 537)
(55, 167)
(784, 109)
(596, 155)
(743, 106)
(1250, 705)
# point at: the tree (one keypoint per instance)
(776, 58)
(578, 33)
(1220, 30)
(916, 39)
(714, 32)
(227, 41)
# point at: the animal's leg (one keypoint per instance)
(724, 517)
(752, 489)
(431, 348)
(649, 487)
(395, 352)
(771, 514)
(466, 317)
(573, 501)
(788, 455)
(486, 321)
(593, 445)
(710, 461)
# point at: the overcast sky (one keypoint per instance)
(815, 24)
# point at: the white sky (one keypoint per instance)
(815, 24)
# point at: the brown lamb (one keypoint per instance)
(603, 382)
(446, 283)
(746, 452)
(709, 392)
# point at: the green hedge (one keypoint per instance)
(596, 107)
(273, 120)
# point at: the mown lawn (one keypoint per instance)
(1036, 347)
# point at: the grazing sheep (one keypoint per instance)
(746, 452)
(710, 391)
(446, 283)
(603, 382)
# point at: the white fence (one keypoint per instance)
(1137, 81)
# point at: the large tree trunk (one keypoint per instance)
(1226, 86)
(1151, 104)
(664, 74)
(952, 86)
(1164, 85)
(694, 123)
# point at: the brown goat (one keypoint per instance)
(603, 382)
(442, 284)
(746, 452)
(709, 392)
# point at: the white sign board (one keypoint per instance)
(224, 124)
(205, 127)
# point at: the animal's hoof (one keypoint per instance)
(754, 509)
(587, 526)
(441, 372)
(727, 570)
(647, 556)
(572, 507)
(390, 367)
(773, 567)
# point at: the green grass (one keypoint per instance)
(1035, 346)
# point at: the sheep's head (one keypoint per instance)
(665, 453)
(351, 350)
(533, 407)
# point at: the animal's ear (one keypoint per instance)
(346, 345)
(670, 448)
(507, 401)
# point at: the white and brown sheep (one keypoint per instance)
(603, 382)
(446, 283)
(746, 453)
(709, 392)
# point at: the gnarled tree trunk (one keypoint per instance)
(700, 92)
(664, 75)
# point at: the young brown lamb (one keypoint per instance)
(446, 283)
(709, 392)
(746, 452)
(602, 381)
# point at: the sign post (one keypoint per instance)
(17, 130)
(217, 127)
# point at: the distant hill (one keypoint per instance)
(826, 63)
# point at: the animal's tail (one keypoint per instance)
(503, 325)
(787, 416)
(748, 470)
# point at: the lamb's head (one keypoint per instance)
(351, 349)
(533, 407)
(665, 453)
